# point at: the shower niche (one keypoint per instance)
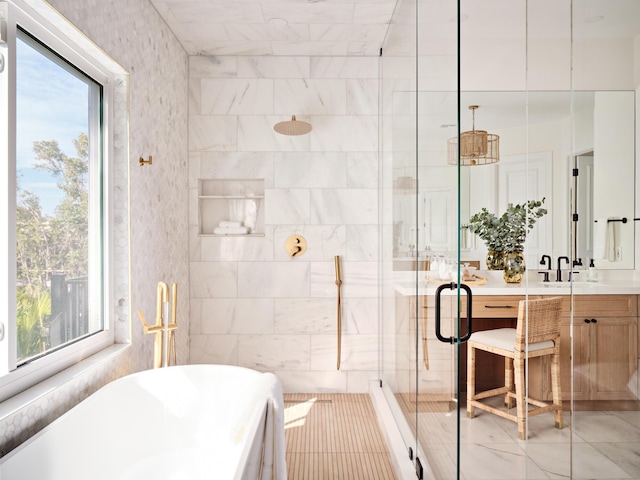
(231, 207)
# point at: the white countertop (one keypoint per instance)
(610, 282)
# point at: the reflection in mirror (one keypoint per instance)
(425, 197)
(565, 129)
(431, 204)
(583, 207)
(613, 181)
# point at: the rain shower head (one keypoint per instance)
(292, 127)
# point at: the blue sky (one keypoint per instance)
(51, 105)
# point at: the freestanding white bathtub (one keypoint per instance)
(186, 422)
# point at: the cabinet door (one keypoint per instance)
(613, 355)
(580, 367)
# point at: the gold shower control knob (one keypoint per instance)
(295, 245)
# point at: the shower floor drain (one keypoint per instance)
(301, 400)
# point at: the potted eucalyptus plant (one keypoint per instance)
(504, 236)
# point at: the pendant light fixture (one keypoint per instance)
(477, 147)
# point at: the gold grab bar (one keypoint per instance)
(339, 283)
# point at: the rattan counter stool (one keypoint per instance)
(537, 334)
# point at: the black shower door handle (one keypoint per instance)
(453, 286)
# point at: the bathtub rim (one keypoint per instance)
(256, 421)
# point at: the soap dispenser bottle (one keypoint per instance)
(592, 273)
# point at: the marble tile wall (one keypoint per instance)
(150, 118)
(251, 304)
(136, 37)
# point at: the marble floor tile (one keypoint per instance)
(588, 463)
(604, 427)
(497, 461)
(592, 445)
(624, 455)
(485, 428)
(632, 417)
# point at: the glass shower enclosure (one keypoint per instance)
(554, 81)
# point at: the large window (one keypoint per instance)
(53, 106)
(58, 294)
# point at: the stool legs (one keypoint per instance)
(521, 399)
(556, 390)
(508, 381)
(515, 388)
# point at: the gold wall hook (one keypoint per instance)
(142, 161)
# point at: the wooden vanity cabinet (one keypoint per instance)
(605, 343)
(605, 349)
(605, 346)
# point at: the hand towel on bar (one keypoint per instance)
(600, 239)
(231, 230)
(613, 238)
(229, 223)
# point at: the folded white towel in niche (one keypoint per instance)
(230, 223)
(231, 230)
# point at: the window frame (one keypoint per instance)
(15, 379)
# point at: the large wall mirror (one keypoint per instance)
(591, 133)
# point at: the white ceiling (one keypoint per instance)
(278, 27)
(359, 27)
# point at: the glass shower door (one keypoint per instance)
(419, 115)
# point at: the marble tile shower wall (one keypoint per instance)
(251, 304)
(150, 117)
